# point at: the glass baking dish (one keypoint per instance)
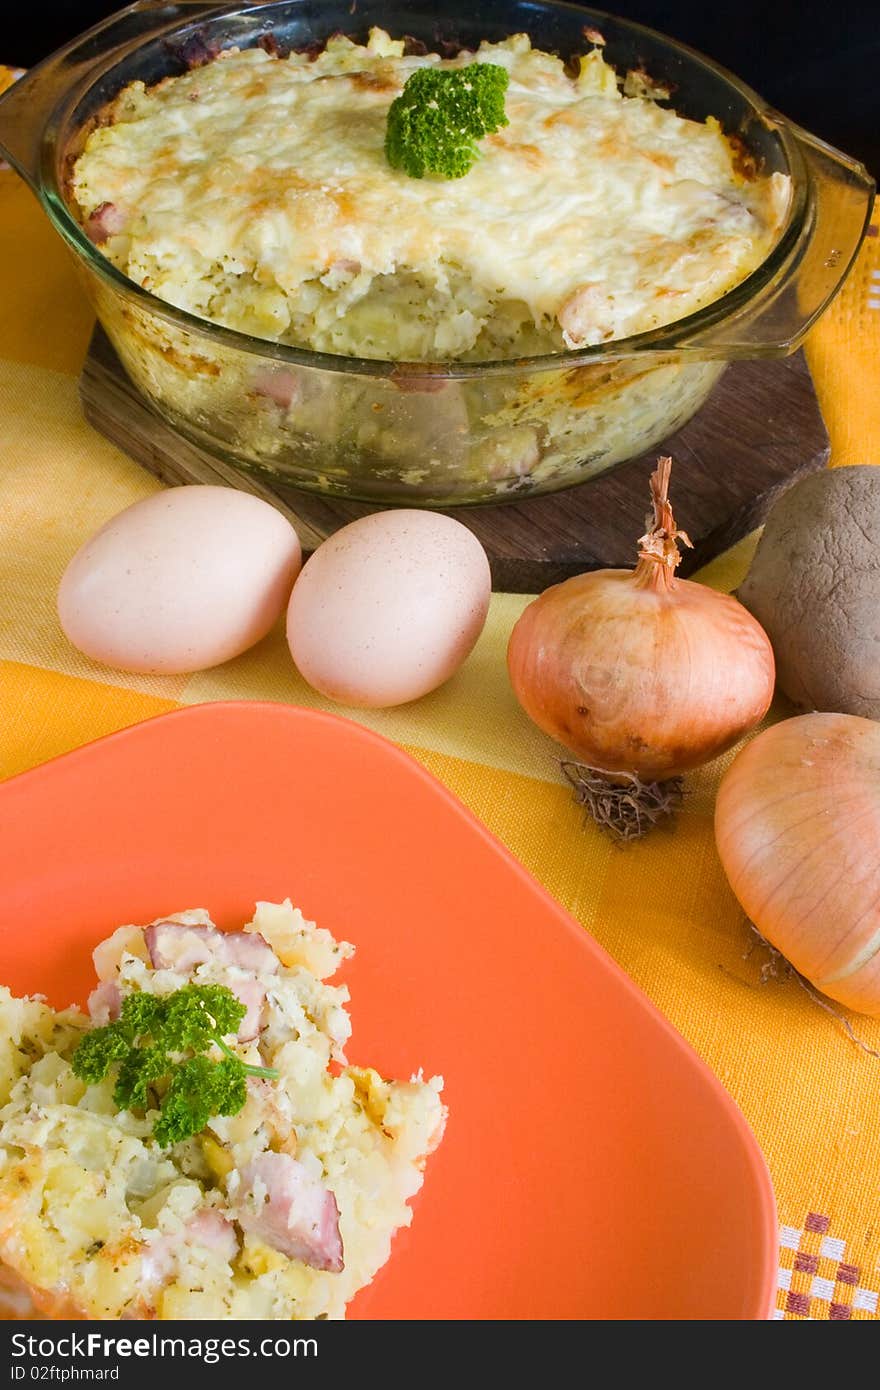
(429, 434)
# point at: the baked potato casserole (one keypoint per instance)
(254, 191)
(282, 1210)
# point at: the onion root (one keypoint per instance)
(626, 808)
(777, 967)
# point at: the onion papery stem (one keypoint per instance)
(659, 555)
(627, 807)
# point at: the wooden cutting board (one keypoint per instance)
(759, 431)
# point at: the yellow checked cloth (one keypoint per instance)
(662, 907)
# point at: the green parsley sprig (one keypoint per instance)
(434, 125)
(149, 1042)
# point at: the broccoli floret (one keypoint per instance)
(98, 1050)
(139, 1070)
(192, 1019)
(199, 1089)
(435, 123)
(141, 1013)
(199, 1014)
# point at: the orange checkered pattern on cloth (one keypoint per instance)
(662, 907)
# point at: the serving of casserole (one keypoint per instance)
(254, 191)
(305, 310)
(282, 1208)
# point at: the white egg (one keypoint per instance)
(182, 581)
(389, 607)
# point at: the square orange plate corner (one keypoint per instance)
(593, 1167)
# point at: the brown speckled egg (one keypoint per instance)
(389, 607)
(179, 582)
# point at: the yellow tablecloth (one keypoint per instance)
(662, 907)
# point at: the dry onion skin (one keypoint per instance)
(797, 824)
(639, 674)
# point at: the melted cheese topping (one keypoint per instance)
(254, 191)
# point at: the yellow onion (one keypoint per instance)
(637, 672)
(797, 824)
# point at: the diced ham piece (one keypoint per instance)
(249, 951)
(105, 1002)
(585, 317)
(173, 946)
(277, 384)
(280, 1202)
(177, 946)
(106, 221)
(209, 1228)
(253, 995)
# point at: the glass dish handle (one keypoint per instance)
(29, 107)
(775, 322)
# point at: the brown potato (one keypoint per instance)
(814, 586)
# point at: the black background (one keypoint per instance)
(817, 62)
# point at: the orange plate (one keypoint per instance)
(592, 1167)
